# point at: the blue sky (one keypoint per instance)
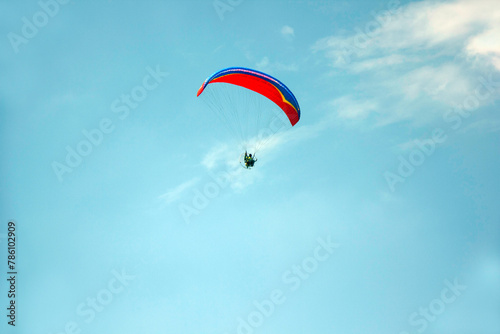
(377, 213)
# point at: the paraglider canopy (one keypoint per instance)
(261, 83)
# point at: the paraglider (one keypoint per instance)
(249, 160)
(252, 104)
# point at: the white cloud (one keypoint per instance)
(215, 155)
(288, 32)
(483, 126)
(471, 26)
(467, 25)
(487, 44)
(266, 65)
(445, 83)
(384, 61)
(418, 57)
(174, 194)
(349, 108)
(263, 63)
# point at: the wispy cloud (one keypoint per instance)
(288, 33)
(406, 146)
(468, 25)
(348, 107)
(487, 44)
(267, 66)
(375, 63)
(484, 125)
(422, 57)
(215, 155)
(176, 193)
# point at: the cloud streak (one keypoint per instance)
(417, 60)
(176, 193)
